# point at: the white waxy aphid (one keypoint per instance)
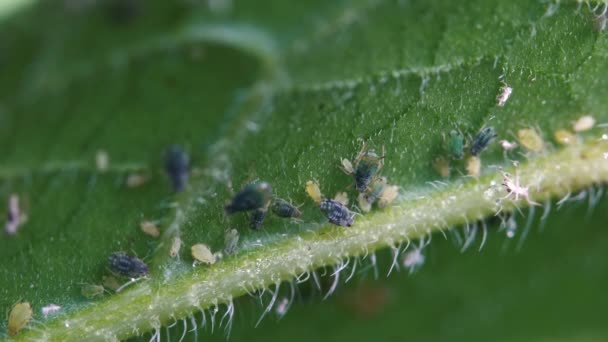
(176, 245)
(313, 191)
(15, 218)
(149, 228)
(50, 309)
(508, 146)
(514, 189)
(473, 166)
(388, 195)
(364, 204)
(135, 180)
(584, 123)
(341, 197)
(503, 96)
(231, 241)
(202, 254)
(20, 315)
(102, 161)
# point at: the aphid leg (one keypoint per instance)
(526, 230)
(275, 294)
(334, 284)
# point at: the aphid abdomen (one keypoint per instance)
(456, 145)
(363, 176)
(177, 165)
(337, 213)
(126, 265)
(482, 140)
(257, 218)
(251, 197)
(282, 208)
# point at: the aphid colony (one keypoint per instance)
(456, 150)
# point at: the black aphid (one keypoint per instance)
(482, 140)
(253, 196)
(367, 166)
(337, 213)
(257, 218)
(177, 165)
(282, 208)
(127, 265)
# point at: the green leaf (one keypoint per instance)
(282, 93)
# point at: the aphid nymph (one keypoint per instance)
(20, 315)
(337, 213)
(456, 145)
(176, 245)
(126, 265)
(564, 137)
(313, 191)
(177, 165)
(367, 165)
(503, 96)
(584, 123)
(282, 208)
(149, 228)
(473, 166)
(202, 254)
(482, 140)
(253, 196)
(530, 139)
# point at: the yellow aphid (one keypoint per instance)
(20, 315)
(313, 191)
(202, 254)
(388, 195)
(442, 166)
(341, 197)
(91, 290)
(564, 137)
(102, 161)
(530, 139)
(110, 282)
(473, 166)
(176, 245)
(584, 123)
(149, 228)
(135, 180)
(364, 204)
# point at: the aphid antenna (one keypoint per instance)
(526, 230)
(273, 299)
(395, 251)
(484, 229)
(352, 272)
(334, 284)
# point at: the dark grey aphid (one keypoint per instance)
(257, 218)
(337, 213)
(282, 208)
(482, 140)
(177, 165)
(253, 196)
(127, 265)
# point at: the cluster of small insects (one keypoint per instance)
(456, 150)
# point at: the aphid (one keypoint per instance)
(505, 93)
(102, 161)
(110, 282)
(91, 291)
(367, 165)
(363, 203)
(231, 240)
(508, 146)
(337, 213)
(50, 309)
(176, 245)
(149, 228)
(473, 166)
(14, 217)
(20, 315)
(313, 191)
(515, 189)
(388, 195)
(564, 137)
(456, 145)
(135, 180)
(177, 165)
(253, 196)
(482, 140)
(375, 189)
(530, 139)
(257, 218)
(126, 265)
(202, 254)
(282, 208)
(442, 166)
(584, 123)
(341, 197)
